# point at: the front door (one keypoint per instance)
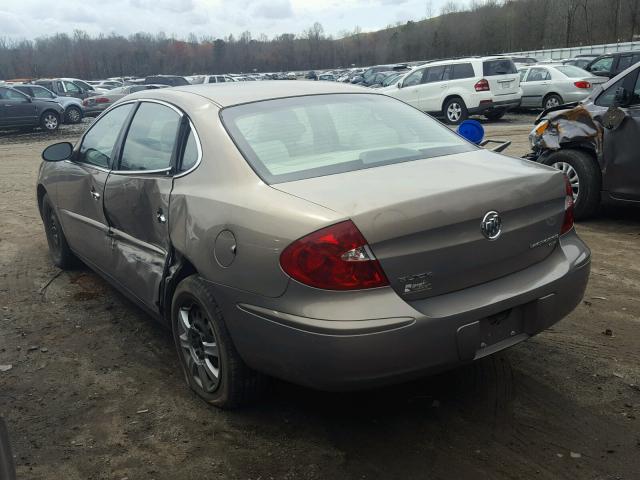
(136, 201)
(622, 146)
(81, 190)
(16, 109)
(433, 89)
(409, 90)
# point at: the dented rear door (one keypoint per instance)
(136, 201)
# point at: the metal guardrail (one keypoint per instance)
(561, 53)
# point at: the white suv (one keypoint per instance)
(486, 86)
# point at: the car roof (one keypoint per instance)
(235, 93)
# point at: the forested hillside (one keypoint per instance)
(482, 27)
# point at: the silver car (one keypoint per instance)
(275, 235)
(95, 105)
(548, 86)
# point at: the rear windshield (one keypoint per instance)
(302, 137)
(573, 72)
(503, 66)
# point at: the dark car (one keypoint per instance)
(580, 61)
(378, 79)
(73, 110)
(595, 143)
(20, 110)
(169, 80)
(312, 75)
(64, 87)
(612, 64)
(367, 76)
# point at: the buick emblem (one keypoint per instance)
(491, 225)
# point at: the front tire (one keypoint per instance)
(584, 176)
(455, 111)
(50, 121)
(61, 255)
(73, 115)
(210, 362)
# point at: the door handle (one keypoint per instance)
(94, 194)
(160, 216)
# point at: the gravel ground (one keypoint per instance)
(94, 390)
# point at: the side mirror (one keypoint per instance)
(57, 152)
(399, 84)
(621, 97)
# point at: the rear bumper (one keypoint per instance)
(345, 350)
(490, 105)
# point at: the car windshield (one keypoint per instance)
(572, 72)
(296, 138)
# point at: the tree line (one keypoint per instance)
(482, 27)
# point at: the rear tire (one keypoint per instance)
(73, 115)
(552, 100)
(210, 362)
(61, 255)
(50, 121)
(494, 115)
(455, 111)
(585, 177)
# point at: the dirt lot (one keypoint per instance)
(94, 391)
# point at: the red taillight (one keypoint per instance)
(582, 84)
(334, 258)
(567, 224)
(482, 86)
(102, 100)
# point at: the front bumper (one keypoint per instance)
(343, 348)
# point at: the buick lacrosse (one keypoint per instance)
(320, 233)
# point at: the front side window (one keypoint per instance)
(523, 73)
(72, 87)
(302, 137)
(98, 143)
(625, 62)
(16, 95)
(414, 78)
(602, 65)
(40, 92)
(607, 98)
(151, 138)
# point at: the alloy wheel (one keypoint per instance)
(572, 175)
(54, 234)
(552, 102)
(199, 346)
(50, 121)
(454, 112)
(73, 115)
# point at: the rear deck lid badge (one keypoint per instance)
(491, 225)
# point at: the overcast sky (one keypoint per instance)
(217, 18)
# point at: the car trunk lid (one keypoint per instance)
(422, 219)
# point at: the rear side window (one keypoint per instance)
(97, 145)
(462, 70)
(503, 66)
(151, 138)
(191, 152)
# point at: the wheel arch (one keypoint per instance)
(177, 268)
(451, 96)
(41, 192)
